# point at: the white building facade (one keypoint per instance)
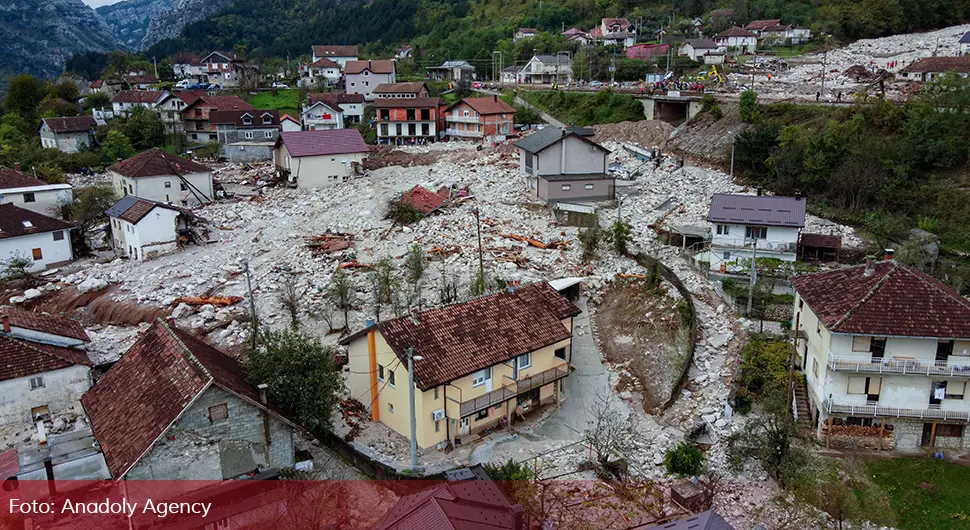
(142, 230)
(747, 227)
(45, 241)
(170, 180)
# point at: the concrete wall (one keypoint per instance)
(248, 152)
(318, 171)
(154, 188)
(578, 190)
(232, 135)
(66, 142)
(62, 390)
(366, 81)
(153, 236)
(571, 156)
(780, 243)
(53, 252)
(47, 200)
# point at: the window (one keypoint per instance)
(949, 431)
(40, 413)
(524, 361)
(864, 385)
(37, 382)
(944, 349)
(723, 230)
(59, 235)
(479, 377)
(247, 120)
(436, 393)
(184, 187)
(390, 377)
(37, 254)
(168, 184)
(815, 367)
(955, 389)
(380, 373)
(267, 119)
(561, 353)
(860, 343)
(726, 256)
(29, 197)
(27, 224)
(218, 412)
(588, 186)
(267, 134)
(528, 162)
(482, 415)
(756, 232)
(437, 425)
(566, 187)
(390, 407)
(249, 135)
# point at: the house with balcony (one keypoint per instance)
(171, 105)
(547, 69)
(324, 72)
(225, 69)
(565, 165)
(753, 226)
(614, 32)
(478, 118)
(332, 110)
(737, 39)
(246, 135)
(773, 32)
(126, 101)
(411, 89)
(196, 116)
(886, 346)
(362, 77)
(413, 120)
(475, 364)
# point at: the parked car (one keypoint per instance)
(280, 85)
(183, 84)
(476, 84)
(596, 84)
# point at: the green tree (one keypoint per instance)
(415, 265)
(385, 286)
(116, 146)
(301, 376)
(145, 129)
(620, 236)
(773, 440)
(65, 90)
(24, 94)
(590, 237)
(749, 106)
(342, 294)
(97, 100)
(87, 211)
(685, 460)
(765, 364)
(510, 470)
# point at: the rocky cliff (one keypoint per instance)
(130, 19)
(169, 23)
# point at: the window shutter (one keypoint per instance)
(860, 343)
(874, 385)
(857, 385)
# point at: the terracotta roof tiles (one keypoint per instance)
(377, 67)
(16, 221)
(154, 163)
(11, 178)
(137, 96)
(45, 323)
(939, 65)
(423, 199)
(71, 124)
(334, 51)
(488, 105)
(22, 358)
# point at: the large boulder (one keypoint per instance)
(91, 284)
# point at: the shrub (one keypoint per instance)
(685, 460)
(211, 150)
(749, 106)
(402, 213)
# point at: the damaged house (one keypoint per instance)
(156, 175)
(143, 229)
(565, 165)
(175, 408)
(313, 159)
(749, 226)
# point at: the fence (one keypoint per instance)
(365, 464)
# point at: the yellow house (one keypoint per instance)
(494, 358)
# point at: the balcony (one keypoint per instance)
(513, 389)
(468, 134)
(844, 363)
(462, 119)
(931, 412)
(767, 245)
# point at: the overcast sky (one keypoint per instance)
(97, 3)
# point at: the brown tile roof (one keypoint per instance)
(459, 339)
(11, 178)
(893, 300)
(527, 30)
(97, 83)
(155, 381)
(22, 358)
(323, 142)
(378, 67)
(12, 220)
(235, 117)
(405, 103)
(334, 99)
(220, 103)
(140, 79)
(763, 24)
(939, 65)
(137, 96)
(53, 324)
(71, 124)
(735, 32)
(323, 62)
(155, 162)
(488, 105)
(190, 59)
(423, 199)
(335, 51)
(820, 240)
(140, 208)
(410, 87)
(460, 505)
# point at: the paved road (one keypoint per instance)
(548, 119)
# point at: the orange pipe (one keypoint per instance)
(375, 406)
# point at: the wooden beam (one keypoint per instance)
(882, 432)
(933, 436)
(828, 433)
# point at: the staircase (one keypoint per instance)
(801, 404)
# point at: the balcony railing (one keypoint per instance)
(769, 245)
(513, 389)
(462, 119)
(931, 412)
(461, 132)
(899, 366)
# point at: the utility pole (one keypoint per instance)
(732, 159)
(414, 421)
(824, 57)
(754, 276)
(252, 304)
(481, 259)
(612, 69)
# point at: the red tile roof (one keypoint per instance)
(464, 505)
(71, 124)
(154, 163)
(411, 87)
(334, 51)
(12, 222)
(618, 21)
(140, 79)
(334, 99)
(323, 142)
(22, 358)
(287, 117)
(488, 105)
(459, 339)
(97, 83)
(893, 300)
(734, 32)
(377, 67)
(423, 199)
(155, 381)
(763, 24)
(138, 209)
(323, 62)
(406, 103)
(137, 96)
(11, 178)
(220, 103)
(190, 59)
(527, 30)
(939, 65)
(45, 323)
(9, 465)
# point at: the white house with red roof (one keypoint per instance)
(43, 240)
(338, 54)
(737, 39)
(289, 123)
(614, 32)
(68, 135)
(143, 229)
(886, 346)
(314, 159)
(25, 191)
(159, 176)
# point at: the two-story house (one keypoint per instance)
(930, 68)
(187, 66)
(773, 32)
(411, 89)
(175, 408)
(332, 110)
(886, 346)
(143, 229)
(45, 369)
(456, 71)
(171, 105)
(580, 37)
(246, 135)
(126, 101)
(747, 227)
(737, 39)
(32, 194)
(43, 240)
(702, 50)
(68, 135)
(475, 364)
(412, 120)
(362, 77)
(325, 72)
(547, 69)
(314, 159)
(524, 33)
(195, 116)
(563, 165)
(614, 32)
(139, 81)
(225, 69)
(477, 118)
(159, 176)
(338, 54)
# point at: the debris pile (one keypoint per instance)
(329, 243)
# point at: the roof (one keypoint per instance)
(708, 520)
(377, 67)
(237, 117)
(412, 87)
(574, 31)
(137, 96)
(893, 300)
(71, 124)
(965, 39)
(11, 178)
(539, 140)
(487, 105)
(515, 69)
(9, 465)
(423, 199)
(459, 339)
(190, 59)
(155, 162)
(553, 59)
(820, 240)
(460, 505)
(758, 210)
(323, 142)
(150, 388)
(763, 24)
(616, 21)
(396, 103)
(146, 79)
(23, 358)
(527, 30)
(287, 117)
(221, 103)
(702, 44)
(228, 55)
(14, 222)
(134, 209)
(577, 176)
(334, 51)
(323, 62)
(449, 65)
(939, 64)
(97, 83)
(334, 98)
(735, 32)
(45, 323)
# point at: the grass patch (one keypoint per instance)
(584, 109)
(926, 494)
(286, 101)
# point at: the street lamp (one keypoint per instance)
(414, 421)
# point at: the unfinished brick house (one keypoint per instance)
(411, 120)
(478, 118)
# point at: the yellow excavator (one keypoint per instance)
(713, 74)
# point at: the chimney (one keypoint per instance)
(262, 393)
(889, 254)
(518, 515)
(17, 166)
(870, 266)
(495, 98)
(6, 323)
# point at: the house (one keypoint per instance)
(930, 68)
(583, 38)
(338, 54)
(362, 77)
(412, 89)
(738, 39)
(171, 105)
(159, 176)
(696, 49)
(195, 115)
(476, 363)
(325, 72)
(886, 346)
(186, 66)
(749, 225)
(289, 123)
(401, 121)
(460, 71)
(33, 194)
(466, 500)
(314, 159)
(142, 229)
(565, 165)
(68, 135)
(614, 32)
(965, 43)
(647, 51)
(477, 118)
(510, 74)
(773, 32)
(175, 408)
(547, 69)
(524, 33)
(246, 135)
(226, 70)
(708, 520)
(351, 105)
(403, 52)
(139, 81)
(127, 100)
(44, 240)
(45, 369)
(332, 110)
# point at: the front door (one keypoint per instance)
(878, 348)
(464, 426)
(927, 434)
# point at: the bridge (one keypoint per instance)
(671, 106)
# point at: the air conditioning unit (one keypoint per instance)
(438, 415)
